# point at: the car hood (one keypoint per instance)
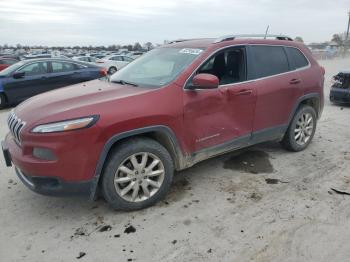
(75, 101)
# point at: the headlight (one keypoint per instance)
(67, 125)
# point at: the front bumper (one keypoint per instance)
(47, 177)
(340, 95)
(54, 186)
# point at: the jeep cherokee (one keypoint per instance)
(177, 105)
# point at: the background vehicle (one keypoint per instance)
(168, 110)
(31, 77)
(6, 62)
(87, 59)
(340, 90)
(114, 62)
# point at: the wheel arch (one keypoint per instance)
(162, 134)
(312, 99)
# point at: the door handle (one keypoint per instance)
(294, 81)
(244, 92)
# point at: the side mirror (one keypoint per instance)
(18, 75)
(204, 81)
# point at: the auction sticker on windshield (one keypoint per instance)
(192, 51)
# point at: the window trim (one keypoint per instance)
(247, 81)
(34, 62)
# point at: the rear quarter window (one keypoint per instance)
(269, 60)
(296, 58)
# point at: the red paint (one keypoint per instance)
(199, 118)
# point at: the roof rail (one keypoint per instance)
(181, 40)
(263, 36)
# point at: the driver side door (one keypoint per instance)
(31, 83)
(216, 118)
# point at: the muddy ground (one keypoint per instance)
(259, 204)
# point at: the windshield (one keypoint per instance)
(157, 67)
(10, 69)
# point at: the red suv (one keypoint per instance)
(171, 108)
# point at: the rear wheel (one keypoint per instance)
(137, 175)
(301, 130)
(112, 70)
(2, 101)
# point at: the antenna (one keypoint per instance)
(267, 30)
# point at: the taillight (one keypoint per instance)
(103, 71)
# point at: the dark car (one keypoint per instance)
(6, 62)
(340, 90)
(168, 110)
(31, 77)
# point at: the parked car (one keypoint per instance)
(87, 59)
(340, 89)
(6, 62)
(168, 110)
(113, 63)
(31, 77)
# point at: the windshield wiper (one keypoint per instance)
(122, 82)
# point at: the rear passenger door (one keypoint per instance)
(278, 88)
(62, 74)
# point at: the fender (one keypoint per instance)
(303, 98)
(178, 156)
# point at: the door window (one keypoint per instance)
(269, 60)
(58, 67)
(229, 66)
(296, 58)
(127, 59)
(116, 58)
(34, 69)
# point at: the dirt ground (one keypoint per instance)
(259, 204)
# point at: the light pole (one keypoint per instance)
(347, 32)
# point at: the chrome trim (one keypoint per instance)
(24, 177)
(247, 81)
(15, 126)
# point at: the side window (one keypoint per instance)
(77, 66)
(229, 66)
(296, 58)
(269, 60)
(34, 69)
(58, 67)
(116, 58)
(127, 59)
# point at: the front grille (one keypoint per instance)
(15, 125)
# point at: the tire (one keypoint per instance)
(2, 101)
(304, 120)
(131, 178)
(112, 70)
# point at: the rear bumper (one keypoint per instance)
(340, 95)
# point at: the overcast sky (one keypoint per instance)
(105, 22)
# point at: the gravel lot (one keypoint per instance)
(222, 209)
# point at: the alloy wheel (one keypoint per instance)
(139, 177)
(303, 129)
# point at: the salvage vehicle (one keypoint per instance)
(171, 108)
(340, 89)
(113, 63)
(28, 78)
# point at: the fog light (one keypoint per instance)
(44, 154)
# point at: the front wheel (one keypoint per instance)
(138, 174)
(301, 130)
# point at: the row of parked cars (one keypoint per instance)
(21, 79)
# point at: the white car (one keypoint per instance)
(88, 59)
(114, 62)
